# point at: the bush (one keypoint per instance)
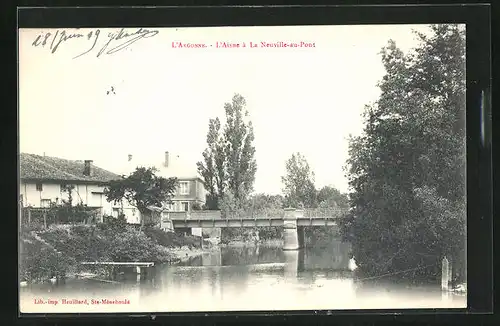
(83, 242)
(113, 225)
(270, 232)
(113, 240)
(171, 239)
(39, 262)
(73, 214)
(134, 245)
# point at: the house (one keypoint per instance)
(190, 193)
(43, 180)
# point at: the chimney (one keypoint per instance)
(166, 159)
(87, 168)
(129, 157)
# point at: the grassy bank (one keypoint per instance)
(58, 250)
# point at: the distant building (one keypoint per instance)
(190, 193)
(43, 180)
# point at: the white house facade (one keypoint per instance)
(44, 181)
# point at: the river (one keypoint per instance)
(241, 279)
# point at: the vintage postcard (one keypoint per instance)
(242, 168)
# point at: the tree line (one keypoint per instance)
(407, 169)
(228, 169)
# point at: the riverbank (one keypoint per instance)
(56, 252)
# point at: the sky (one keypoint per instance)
(306, 100)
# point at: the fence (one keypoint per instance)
(325, 212)
(280, 213)
(35, 217)
(195, 215)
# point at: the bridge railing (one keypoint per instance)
(266, 213)
(195, 215)
(204, 215)
(255, 214)
(333, 212)
(280, 213)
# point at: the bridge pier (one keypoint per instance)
(293, 235)
(294, 263)
(301, 235)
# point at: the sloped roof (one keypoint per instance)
(37, 167)
(178, 167)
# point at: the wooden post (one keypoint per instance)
(450, 274)
(445, 274)
(45, 219)
(29, 216)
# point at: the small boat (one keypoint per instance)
(352, 264)
(53, 280)
(23, 283)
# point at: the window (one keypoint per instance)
(45, 202)
(39, 187)
(67, 187)
(185, 206)
(184, 187)
(170, 206)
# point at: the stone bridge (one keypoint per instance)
(293, 221)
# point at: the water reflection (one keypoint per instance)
(251, 278)
(335, 257)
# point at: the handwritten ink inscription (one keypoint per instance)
(109, 44)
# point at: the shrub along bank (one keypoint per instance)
(57, 250)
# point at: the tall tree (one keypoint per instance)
(229, 166)
(142, 188)
(299, 189)
(239, 149)
(212, 170)
(407, 170)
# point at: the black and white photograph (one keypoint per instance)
(219, 169)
